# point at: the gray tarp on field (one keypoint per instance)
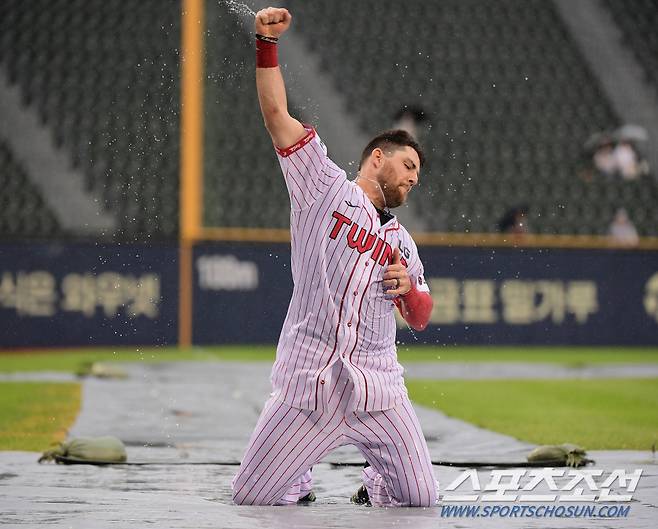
(206, 411)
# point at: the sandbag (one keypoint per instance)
(101, 370)
(569, 454)
(106, 449)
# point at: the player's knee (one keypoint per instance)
(420, 501)
(428, 500)
(248, 498)
(420, 498)
(244, 499)
(243, 493)
(238, 495)
(239, 499)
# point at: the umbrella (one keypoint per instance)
(631, 133)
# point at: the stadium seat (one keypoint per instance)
(638, 21)
(507, 73)
(23, 213)
(511, 101)
(102, 76)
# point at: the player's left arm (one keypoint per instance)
(415, 305)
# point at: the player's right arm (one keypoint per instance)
(283, 128)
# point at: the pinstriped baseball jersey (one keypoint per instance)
(339, 311)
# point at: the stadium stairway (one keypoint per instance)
(638, 26)
(622, 77)
(313, 98)
(23, 213)
(49, 169)
(103, 78)
(511, 101)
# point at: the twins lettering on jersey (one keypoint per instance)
(361, 240)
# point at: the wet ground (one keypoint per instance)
(204, 412)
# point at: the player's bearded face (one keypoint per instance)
(392, 185)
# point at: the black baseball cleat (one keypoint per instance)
(360, 497)
(309, 498)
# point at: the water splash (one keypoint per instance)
(238, 8)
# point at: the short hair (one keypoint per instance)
(392, 139)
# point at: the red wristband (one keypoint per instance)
(266, 54)
(417, 307)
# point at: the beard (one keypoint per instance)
(393, 195)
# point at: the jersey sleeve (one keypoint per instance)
(307, 170)
(416, 270)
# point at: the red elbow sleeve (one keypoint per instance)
(416, 308)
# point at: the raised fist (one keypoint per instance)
(272, 21)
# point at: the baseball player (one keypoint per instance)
(336, 378)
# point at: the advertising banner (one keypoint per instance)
(114, 294)
(481, 295)
(241, 292)
(71, 294)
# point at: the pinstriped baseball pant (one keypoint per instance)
(287, 442)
